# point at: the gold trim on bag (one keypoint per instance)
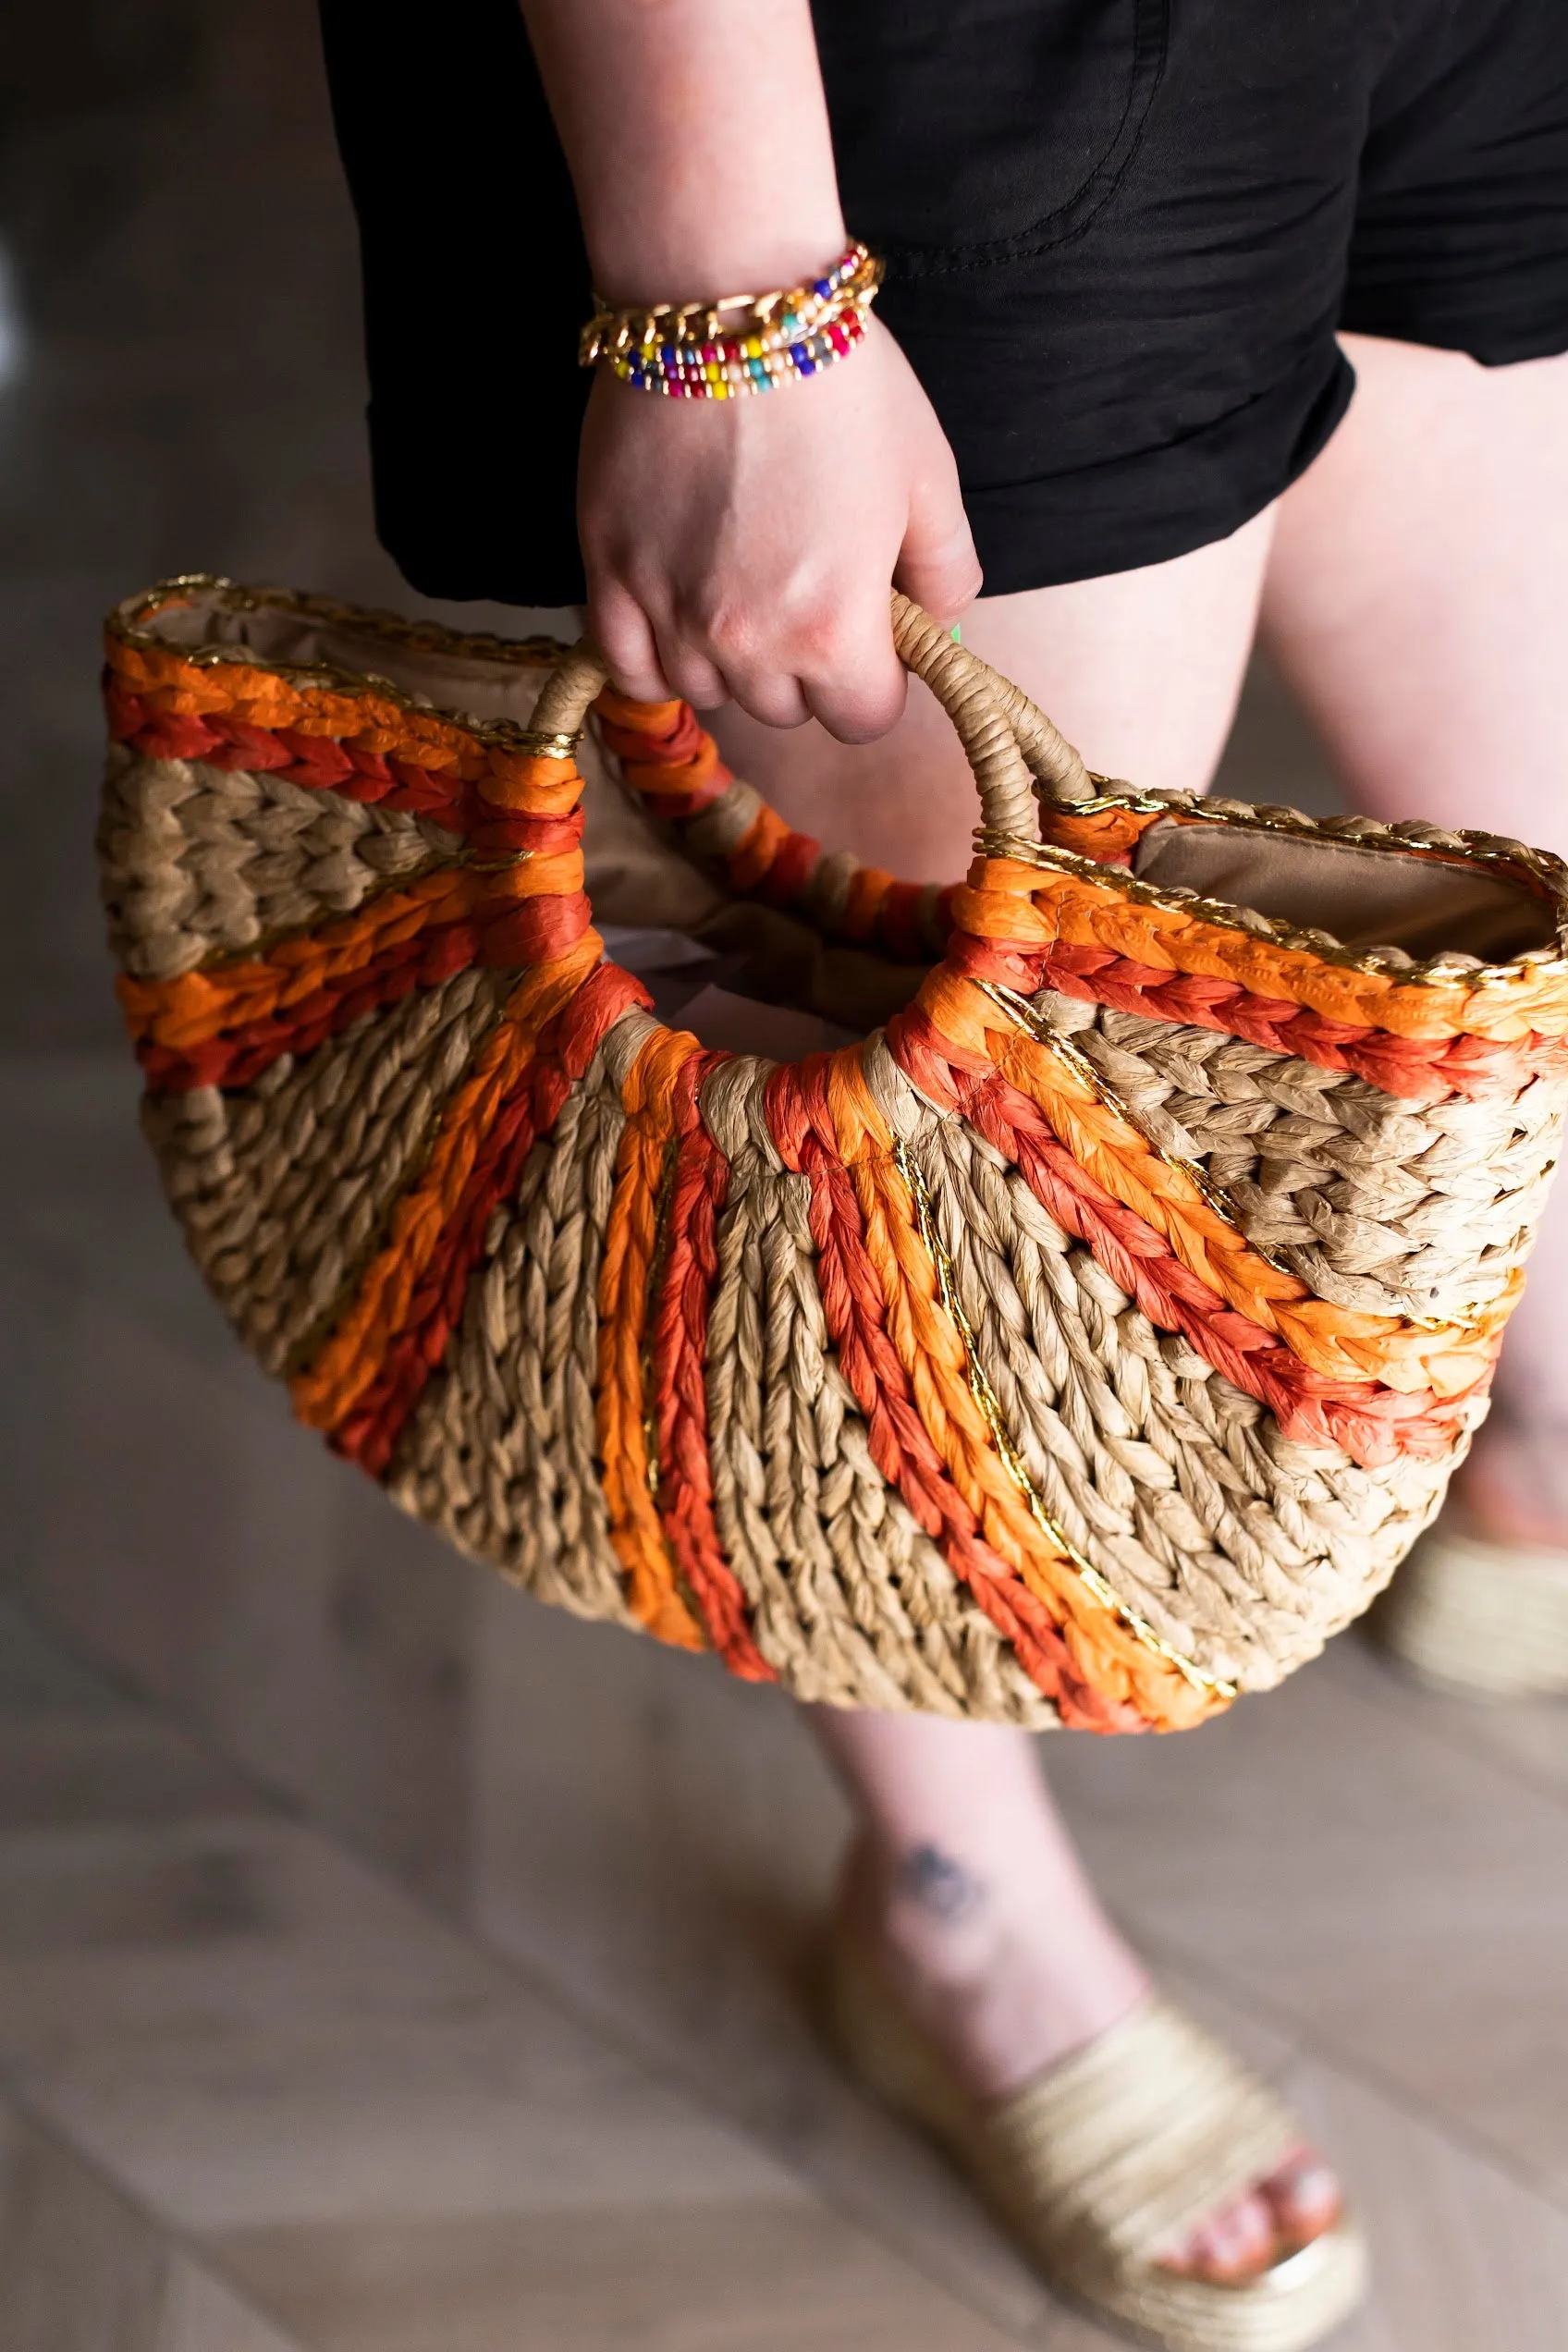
(1546, 874)
(1013, 1461)
(129, 623)
(562, 746)
(1019, 1010)
(1024, 1015)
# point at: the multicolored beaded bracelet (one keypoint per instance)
(698, 351)
(699, 372)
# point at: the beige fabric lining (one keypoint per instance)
(485, 687)
(1365, 898)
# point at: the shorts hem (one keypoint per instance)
(1493, 346)
(1131, 512)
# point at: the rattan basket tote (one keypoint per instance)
(1086, 1344)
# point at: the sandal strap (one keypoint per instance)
(1137, 2136)
(1491, 1618)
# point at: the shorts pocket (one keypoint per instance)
(970, 132)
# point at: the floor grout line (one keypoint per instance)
(1451, 1730)
(611, 2030)
(1308, 2042)
(160, 2226)
(603, 2026)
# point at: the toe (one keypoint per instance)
(1230, 2246)
(1304, 2198)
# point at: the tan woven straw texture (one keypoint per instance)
(1087, 1345)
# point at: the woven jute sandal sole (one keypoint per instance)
(1482, 1619)
(1107, 2155)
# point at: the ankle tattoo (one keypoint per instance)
(938, 1884)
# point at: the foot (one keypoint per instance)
(1006, 1991)
(1514, 1488)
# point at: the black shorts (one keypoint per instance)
(1120, 238)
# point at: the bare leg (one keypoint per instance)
(1418, 601)
(963, 1873)
(966, 1874)
(966, 1882)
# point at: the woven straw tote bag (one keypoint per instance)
(1085, 1344)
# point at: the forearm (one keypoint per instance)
(697, 136)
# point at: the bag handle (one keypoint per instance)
(1009, 744)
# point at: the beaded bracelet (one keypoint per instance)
(697, 352)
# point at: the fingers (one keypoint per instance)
(862, 692)
(657, 661)
(1297, 2203)
(1304, 2197)
(691, 672)
(621, 631)
(784, 667)
(849, 677)
(938, 565)
(750, 663)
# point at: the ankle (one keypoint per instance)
(1004, 1982)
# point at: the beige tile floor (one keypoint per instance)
(256, 2094)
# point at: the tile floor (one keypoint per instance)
(385, 1962)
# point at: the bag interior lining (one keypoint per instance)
(1365, 898)
(483, 687)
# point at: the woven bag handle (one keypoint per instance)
(1009, 744)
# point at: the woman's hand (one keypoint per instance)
(740, 549)
(744, 549)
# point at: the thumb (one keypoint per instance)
(938, 565)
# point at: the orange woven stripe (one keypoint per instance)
(346, 1365)
(167, 681)
(178, 1017)
(1367, 1420)
(679, 1402)
(370, 1433)
(532, 787)
(184, 1012)
(670, 758)
(653, 719)
(1106, 835)
(856, 1316)
(1336, 1341)
(1005, 901)
(624, 1277)
(1415, 1068)
(166, 684)
(869, 885)
(929, 1348)
(756, 848)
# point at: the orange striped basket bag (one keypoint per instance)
(1086, 1343)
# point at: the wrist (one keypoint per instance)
(687, 261)
(738, 344)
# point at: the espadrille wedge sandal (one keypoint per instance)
(1110, 2154)
(1483, 1620)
